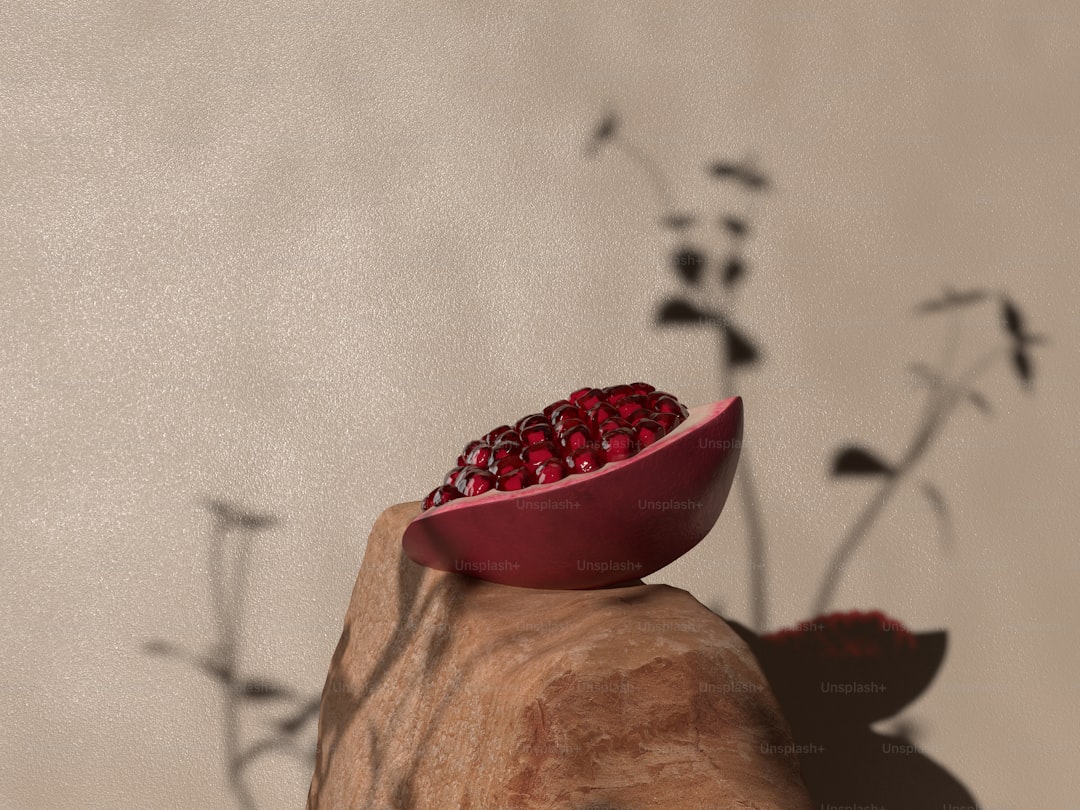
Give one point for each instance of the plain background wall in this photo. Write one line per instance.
(293, 254)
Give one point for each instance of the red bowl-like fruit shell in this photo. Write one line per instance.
(624, 521)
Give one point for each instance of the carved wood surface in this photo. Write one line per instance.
(448, 691)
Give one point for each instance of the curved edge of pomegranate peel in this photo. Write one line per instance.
(430, 537)
(698, 414)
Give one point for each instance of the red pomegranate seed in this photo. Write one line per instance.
(666, 403)
(474, 481)
(492, 436)
(503, 435)
(463, 459)
(554, 406)
(501, 466)
(668, 421)
(463, 476)
(441, 495)
(550, 471)
(642, 387)
(585, 460)
(576, 437)
(616, 393)
(504, 449)
(531, 419)
(602, 412)
(567, 411)
(538, 453)
(514, 480)
(451, 476)
(630, 404)
(649, 431)
(670, 405)
(479, 456)
(568, 423)
(591, 398)
(534, 434)
(577, 395)
(620, 444)
(614, 423)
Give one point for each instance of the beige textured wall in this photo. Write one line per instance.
(291, 254)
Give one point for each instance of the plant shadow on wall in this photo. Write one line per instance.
(286, 715)
(836, 674)
(283, 711)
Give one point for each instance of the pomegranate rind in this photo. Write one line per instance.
(622, 522)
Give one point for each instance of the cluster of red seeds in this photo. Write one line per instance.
(843, 635)
(580, 434)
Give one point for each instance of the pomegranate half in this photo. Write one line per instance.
(622, 522)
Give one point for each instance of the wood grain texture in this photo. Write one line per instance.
(447, 691)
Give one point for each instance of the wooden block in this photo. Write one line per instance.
(450, 692)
